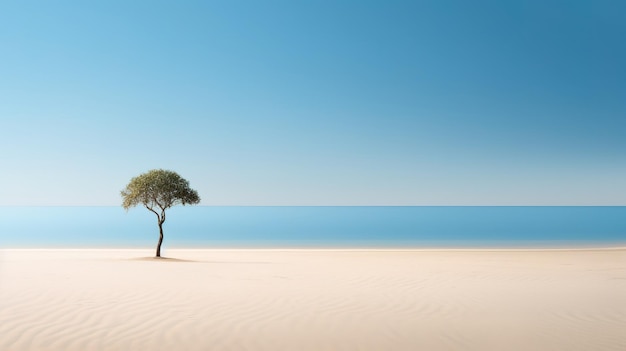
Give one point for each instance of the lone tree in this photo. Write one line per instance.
(158, 190)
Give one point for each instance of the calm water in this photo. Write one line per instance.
(40, 227)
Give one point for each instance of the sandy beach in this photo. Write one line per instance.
(313, 300)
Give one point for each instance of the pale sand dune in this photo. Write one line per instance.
(302, 300)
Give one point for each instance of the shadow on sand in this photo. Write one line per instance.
(162, 259)
(169, 259)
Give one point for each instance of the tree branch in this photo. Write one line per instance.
(158, 203)
(153, 211)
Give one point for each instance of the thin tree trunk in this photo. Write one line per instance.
(158, 250)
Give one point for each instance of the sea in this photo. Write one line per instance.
(315, 227)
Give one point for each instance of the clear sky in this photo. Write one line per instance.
(315, 102)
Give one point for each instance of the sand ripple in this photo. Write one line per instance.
(313, 300)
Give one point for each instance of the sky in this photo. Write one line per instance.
(342, 102)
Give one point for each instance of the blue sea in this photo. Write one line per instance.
(335, 227)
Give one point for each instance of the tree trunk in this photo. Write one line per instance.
(158, 250)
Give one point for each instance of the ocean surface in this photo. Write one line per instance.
(340, 227)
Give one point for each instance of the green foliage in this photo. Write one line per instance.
(160, 189)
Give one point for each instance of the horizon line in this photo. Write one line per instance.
(374, 205)
(508, 205)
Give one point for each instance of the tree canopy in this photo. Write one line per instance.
(160, 189)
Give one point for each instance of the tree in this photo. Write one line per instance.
(157, 190)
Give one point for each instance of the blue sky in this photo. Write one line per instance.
(315, 102)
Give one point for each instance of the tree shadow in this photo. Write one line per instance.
(170, 259)
(161, 259)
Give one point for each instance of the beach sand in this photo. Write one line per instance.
(302, 300)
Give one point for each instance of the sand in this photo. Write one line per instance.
(302, 300)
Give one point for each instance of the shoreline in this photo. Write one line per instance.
(336, 249)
